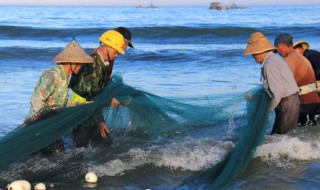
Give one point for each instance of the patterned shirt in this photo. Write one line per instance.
(51, 90)
(92, 78)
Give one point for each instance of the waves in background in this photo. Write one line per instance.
(181, 53)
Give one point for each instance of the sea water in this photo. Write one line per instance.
(180, 53)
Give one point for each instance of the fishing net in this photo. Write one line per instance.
(152, 117)
(251, 137)
(235, 162)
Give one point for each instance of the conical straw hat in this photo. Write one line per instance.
(304, 44)
(258, 43)
(73, 53)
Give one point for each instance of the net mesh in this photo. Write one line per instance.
(148, 115)
(235, 162)
(251, 137)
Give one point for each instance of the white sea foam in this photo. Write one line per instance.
(191, 154)
(282, 150)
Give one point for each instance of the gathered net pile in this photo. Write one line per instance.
(251, 137)
(147, 114)
(234, 164)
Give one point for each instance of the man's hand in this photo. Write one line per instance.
(103, 129)
(248, 96)
(114, 103)
(88, 102)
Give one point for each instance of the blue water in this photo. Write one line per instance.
(180, 52)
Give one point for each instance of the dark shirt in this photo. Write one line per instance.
(92, 78)
(314, 57)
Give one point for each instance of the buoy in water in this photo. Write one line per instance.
(40, 186)
(19, 185)
(91, 177)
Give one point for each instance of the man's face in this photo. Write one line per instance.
(282, 49)
(113, 54)
(258, 58)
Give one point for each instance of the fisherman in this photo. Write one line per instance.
(51, 91)
(304, 76)
(313, 56)
(278, 82)
(92, 79)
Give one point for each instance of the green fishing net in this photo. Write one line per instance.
(252, 135)
(152, 117)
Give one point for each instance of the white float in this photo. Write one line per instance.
(19, 185)
(40, 186)
(91, 177)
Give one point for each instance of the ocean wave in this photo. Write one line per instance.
(167, 34)
(176, 53)
(19, 32)
(191, 154)
(283, 150)
(25, 54)
(190, 34)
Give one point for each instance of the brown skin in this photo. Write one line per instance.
(299, 50)
(284, 50)
(104, 50)
(71, 68)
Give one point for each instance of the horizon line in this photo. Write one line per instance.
(82, 5)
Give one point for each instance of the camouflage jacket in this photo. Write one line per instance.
(92, 78)
(51, 90)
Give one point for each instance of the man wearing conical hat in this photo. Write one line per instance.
(51, 91)
(304, 77)
(303, 48)
(278, 82)
(93, 78)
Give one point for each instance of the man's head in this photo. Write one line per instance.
(112, 43)
(125, 32)
(74, 56)
(301, 46)
(258, 46)
(284, 44)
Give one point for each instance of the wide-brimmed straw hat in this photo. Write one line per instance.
(258, 43)
(304, 44)
(73, 53)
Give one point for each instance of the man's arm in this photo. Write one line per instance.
(42, 91)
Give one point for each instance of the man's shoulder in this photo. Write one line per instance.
(52, 72)
(275, 64)
(293, 57)
(274, 58)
